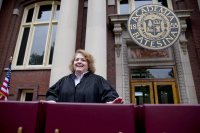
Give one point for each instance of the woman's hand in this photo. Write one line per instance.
(118, 100)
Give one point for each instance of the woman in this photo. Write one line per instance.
(83, 85)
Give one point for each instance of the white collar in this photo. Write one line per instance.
(80, 76)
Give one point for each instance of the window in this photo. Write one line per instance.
(127, 6)
(26, 95)
(36, 39)
(154, 73)
(124, 7)
(139, 3)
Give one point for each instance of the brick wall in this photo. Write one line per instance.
(111, 70)
(9, 29)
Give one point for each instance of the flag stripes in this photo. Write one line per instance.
(4, 91)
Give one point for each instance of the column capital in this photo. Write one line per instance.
(119, 23)
(183, 15)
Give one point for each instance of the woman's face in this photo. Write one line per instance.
(80, 64)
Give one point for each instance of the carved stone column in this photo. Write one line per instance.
(187, 90)
(118, 38)
(122, 74)
(118, 21)
(183, 15)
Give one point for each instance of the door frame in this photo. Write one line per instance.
(174, 91)
(141, 83)
(153, 90)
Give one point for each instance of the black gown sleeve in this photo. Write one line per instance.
(108, 93)
(53, 91)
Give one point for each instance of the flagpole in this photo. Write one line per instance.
(11, 59)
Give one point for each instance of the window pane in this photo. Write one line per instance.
(23, 45)
(30, 15)
(163, 2)
(56, 16)
(44, 13)
(139, 3)
(165, 94)
(38, 47)
(29, 97)
(124, 7)
(152, 73)
(53, 38)
(142, 94)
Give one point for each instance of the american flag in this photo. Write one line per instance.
(4, 91)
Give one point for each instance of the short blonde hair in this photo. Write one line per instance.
(88, 57)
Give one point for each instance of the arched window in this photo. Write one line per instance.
(36, 39)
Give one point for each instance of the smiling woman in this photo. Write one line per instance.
(83, 85)
(82, 62)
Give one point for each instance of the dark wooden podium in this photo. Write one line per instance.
(19, 116)
(171, 118)
(37, 117)
(42, 117)
(90, 118)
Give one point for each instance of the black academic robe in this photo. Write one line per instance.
(91, 89)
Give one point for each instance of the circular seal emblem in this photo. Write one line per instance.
(154, 27)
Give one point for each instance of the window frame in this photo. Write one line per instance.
(131, 4)
(32, 25)
(23, 94)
